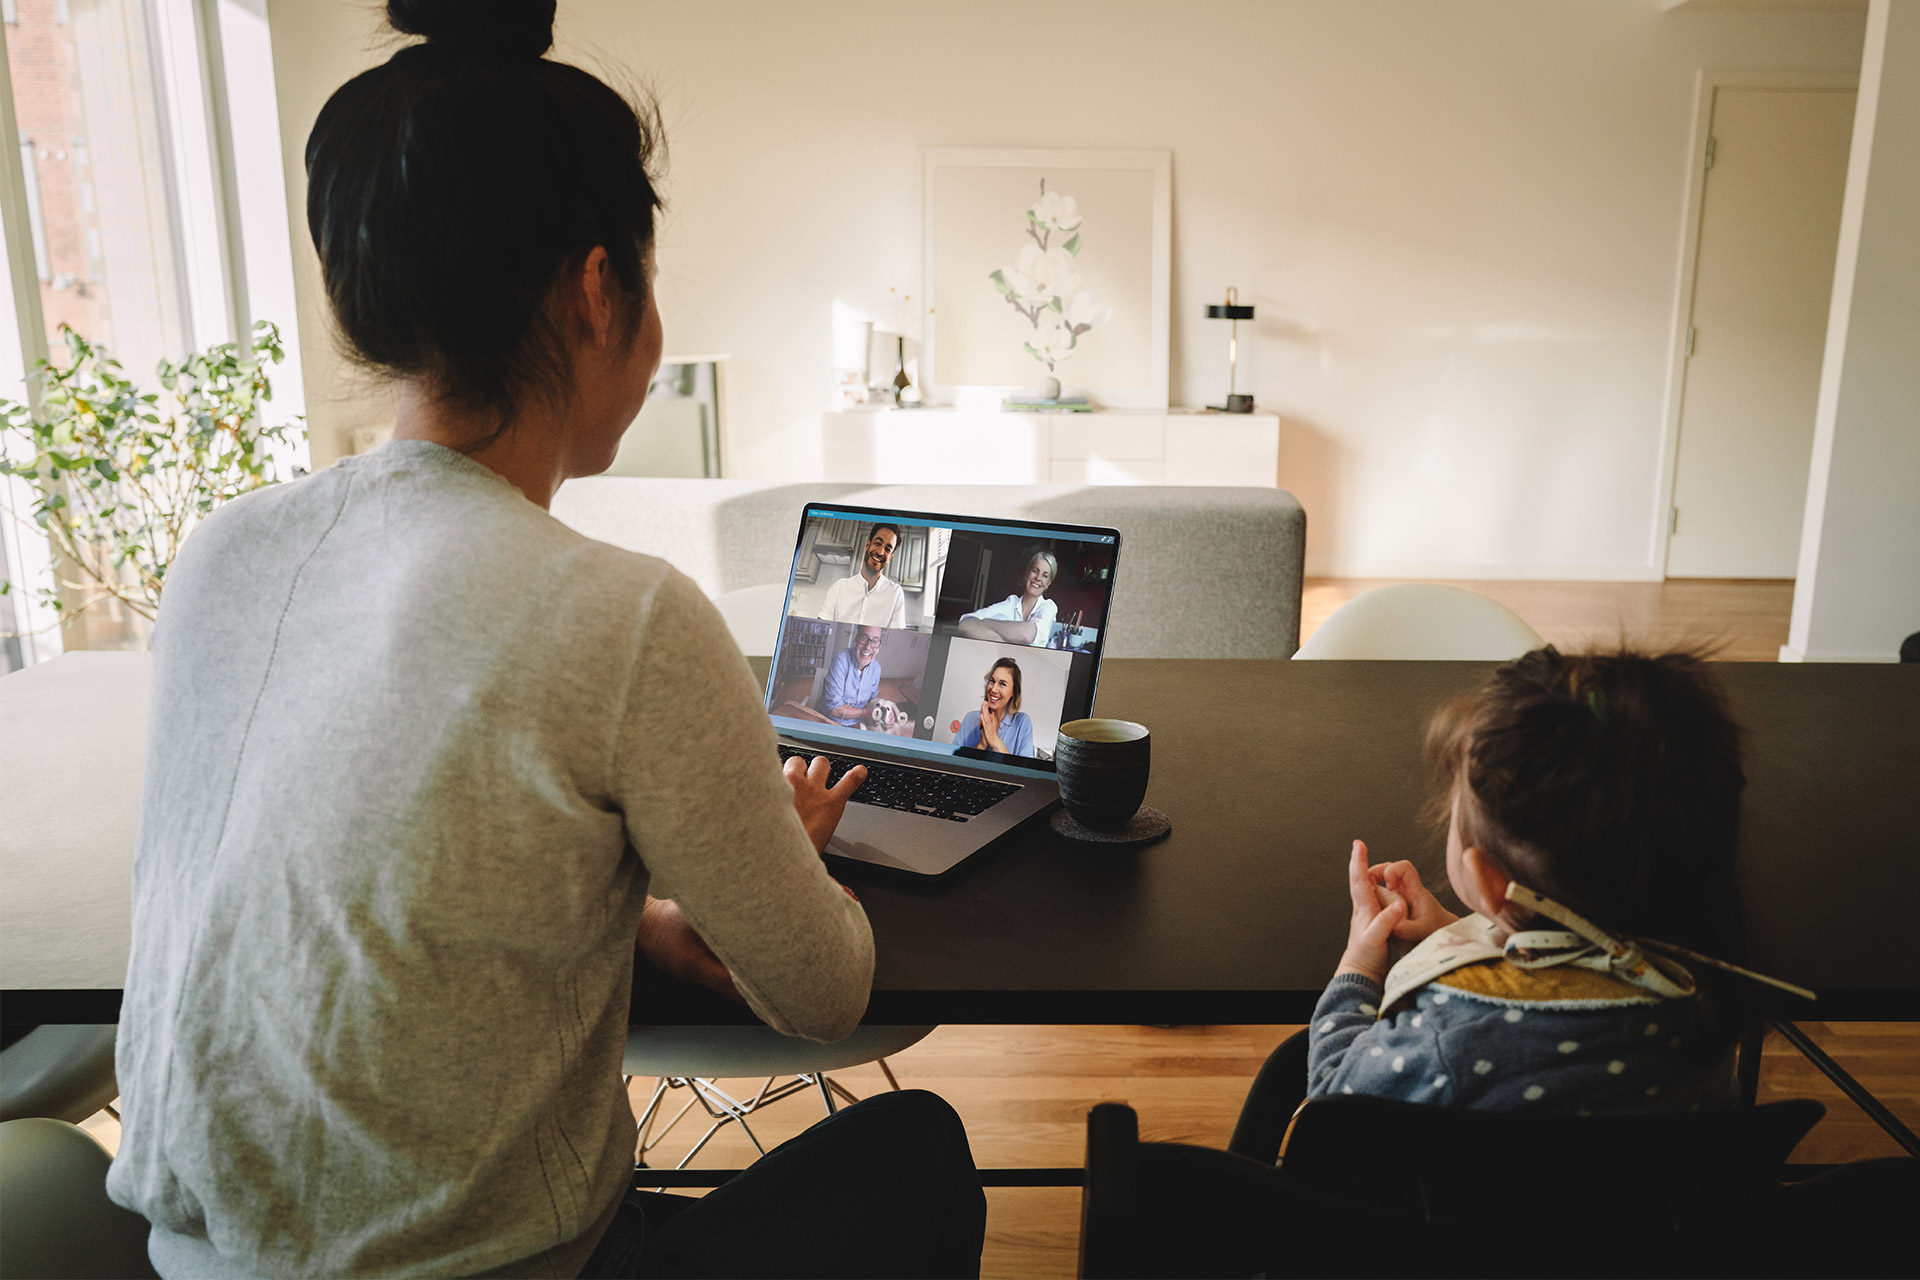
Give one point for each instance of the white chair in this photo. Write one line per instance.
(53, 1202)
(63, 1072)
(753, 615)
(692, 1058)
(1422, 620)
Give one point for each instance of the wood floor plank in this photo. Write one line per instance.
(1742, 620)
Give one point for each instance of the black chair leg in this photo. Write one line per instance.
(1277, 1093)
(1109, 1210)
(1747, 1070)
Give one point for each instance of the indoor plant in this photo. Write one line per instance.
(120, 476)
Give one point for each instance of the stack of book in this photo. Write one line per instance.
(1046, 404)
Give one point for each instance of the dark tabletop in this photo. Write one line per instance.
(1270, 769)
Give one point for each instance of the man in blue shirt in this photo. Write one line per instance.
(853, 681)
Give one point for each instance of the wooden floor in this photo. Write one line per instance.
(1738, 620)
(1024, 1091)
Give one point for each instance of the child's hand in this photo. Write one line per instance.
(1424, 913)
(1372, 923)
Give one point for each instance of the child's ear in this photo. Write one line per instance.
(1489, 880)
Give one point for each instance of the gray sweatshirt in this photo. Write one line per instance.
(418, 752)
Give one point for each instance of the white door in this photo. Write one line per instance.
(1769, 230)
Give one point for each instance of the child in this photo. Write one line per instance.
(1604, 791)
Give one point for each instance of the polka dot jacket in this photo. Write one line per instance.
(1500, 1037)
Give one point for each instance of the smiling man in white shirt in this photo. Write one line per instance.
(869, 597)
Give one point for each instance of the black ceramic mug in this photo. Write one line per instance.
(1103, 767)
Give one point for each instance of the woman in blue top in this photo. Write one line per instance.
(999, 724)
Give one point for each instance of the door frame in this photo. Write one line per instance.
(1705, 82)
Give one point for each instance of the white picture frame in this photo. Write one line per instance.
(977, 337)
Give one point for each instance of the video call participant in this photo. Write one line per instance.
(999, 725)
(1026, 618)
(870, 596)
(853, 681)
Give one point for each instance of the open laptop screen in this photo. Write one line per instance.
(917, 635)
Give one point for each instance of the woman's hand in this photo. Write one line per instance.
(671, 944)
(819, 805)
(1371, 924)
(990, 718)
(1424, 913)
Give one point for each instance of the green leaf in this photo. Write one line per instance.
(106, 468)
(1000, 282)
(1056, 305)
(1073, 246)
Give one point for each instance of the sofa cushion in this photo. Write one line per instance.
(1203, 572)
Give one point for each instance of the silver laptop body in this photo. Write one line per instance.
(903, 636)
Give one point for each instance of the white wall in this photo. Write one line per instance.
(1460, 220)
(1858, 589)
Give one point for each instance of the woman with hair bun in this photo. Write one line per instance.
(420, 753)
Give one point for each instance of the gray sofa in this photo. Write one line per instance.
(1203, 572)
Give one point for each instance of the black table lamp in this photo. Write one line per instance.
(1233, 311)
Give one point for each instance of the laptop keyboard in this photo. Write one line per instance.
(952, 796)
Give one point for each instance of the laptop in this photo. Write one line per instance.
(944, 653)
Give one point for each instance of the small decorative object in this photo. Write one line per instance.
(1103, 766)
(1080, 297)
(904, 392)
(121, 477)
(1232, 311)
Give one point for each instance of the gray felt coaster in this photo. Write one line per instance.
(1144, 827)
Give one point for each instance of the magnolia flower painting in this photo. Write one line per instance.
(1044, 266)
(1044, 286)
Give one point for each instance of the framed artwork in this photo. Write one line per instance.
(1048, 264)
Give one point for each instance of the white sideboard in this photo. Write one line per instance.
(1108, 446)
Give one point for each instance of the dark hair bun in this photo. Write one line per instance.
(449, 187)
(513, 28)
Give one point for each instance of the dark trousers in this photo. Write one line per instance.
(1277, 1093)
(885, 1187)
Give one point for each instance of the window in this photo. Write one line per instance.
(147, 202)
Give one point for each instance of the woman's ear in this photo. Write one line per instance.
(594, 293)
(1488, 880)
